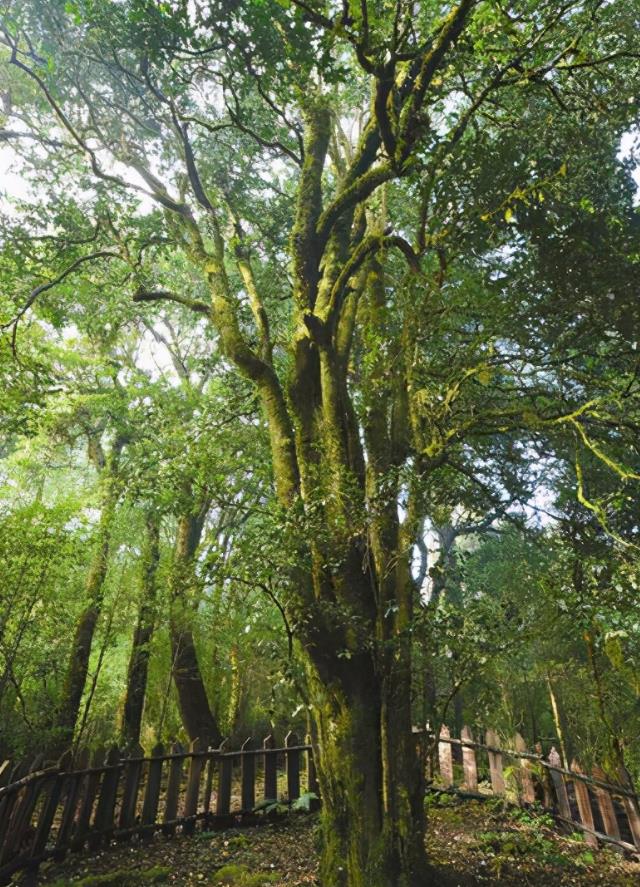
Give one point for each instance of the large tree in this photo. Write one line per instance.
(349, 186)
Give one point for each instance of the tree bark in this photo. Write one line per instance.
(197, 716)
(143, 633)
(371, 778)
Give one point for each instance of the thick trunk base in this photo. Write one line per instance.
(371, 780)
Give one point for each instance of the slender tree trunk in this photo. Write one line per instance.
(78, 664)
(139, 659)
(236, 696)
(197, 716)
(557, 720)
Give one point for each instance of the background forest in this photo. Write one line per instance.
(320, 383)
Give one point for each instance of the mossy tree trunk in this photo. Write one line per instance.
(197, 716)
(139, 659)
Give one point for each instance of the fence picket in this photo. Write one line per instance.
(70, 810)
(223, 801)
(293, 766)
(89, 794)
(193, 784)
(270, 770)
(208, 788)
(605, 804)
(132, 775)
(544, 781)
(173, 786)
(495, 763)
(445, 758)
(103, 824)
(525, 779)
(469, 764)
(248, 778)
(48, 812)
(584, 805)
(559, 785)
(154, 779)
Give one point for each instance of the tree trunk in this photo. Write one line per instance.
(557, 720)
(78, 664)
(76, 675)
(371, 781)
(139, 659)
(198, 718)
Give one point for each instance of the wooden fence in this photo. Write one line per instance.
(45, 812)
(605, 811)
(88, 802)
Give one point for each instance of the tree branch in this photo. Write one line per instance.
(165, 295)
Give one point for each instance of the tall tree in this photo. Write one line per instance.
(234, 120)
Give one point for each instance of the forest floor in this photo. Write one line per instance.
(469, 843)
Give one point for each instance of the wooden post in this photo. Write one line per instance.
(584, 805)
(173, 787)
(70, 810)
(89, 794)
(248, 778)
(293, 766)
(631, 807)
(152, 793)
(103, 824)
(495, 763)
(223, 801)
(270, 770)
(445, 757)
(607, 811)
(193, 786)
(132, 774)
(312, 774)
(559, 785)
(525, 780)
(469, 764)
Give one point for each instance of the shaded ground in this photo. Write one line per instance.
(471, 843)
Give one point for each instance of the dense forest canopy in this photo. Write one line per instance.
(321, 384)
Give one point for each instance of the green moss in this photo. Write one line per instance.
(234, 875)
(120, 878)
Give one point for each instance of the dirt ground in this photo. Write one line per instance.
(469, 843)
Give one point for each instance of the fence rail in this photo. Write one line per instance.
(604, 810)
(91, 800)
